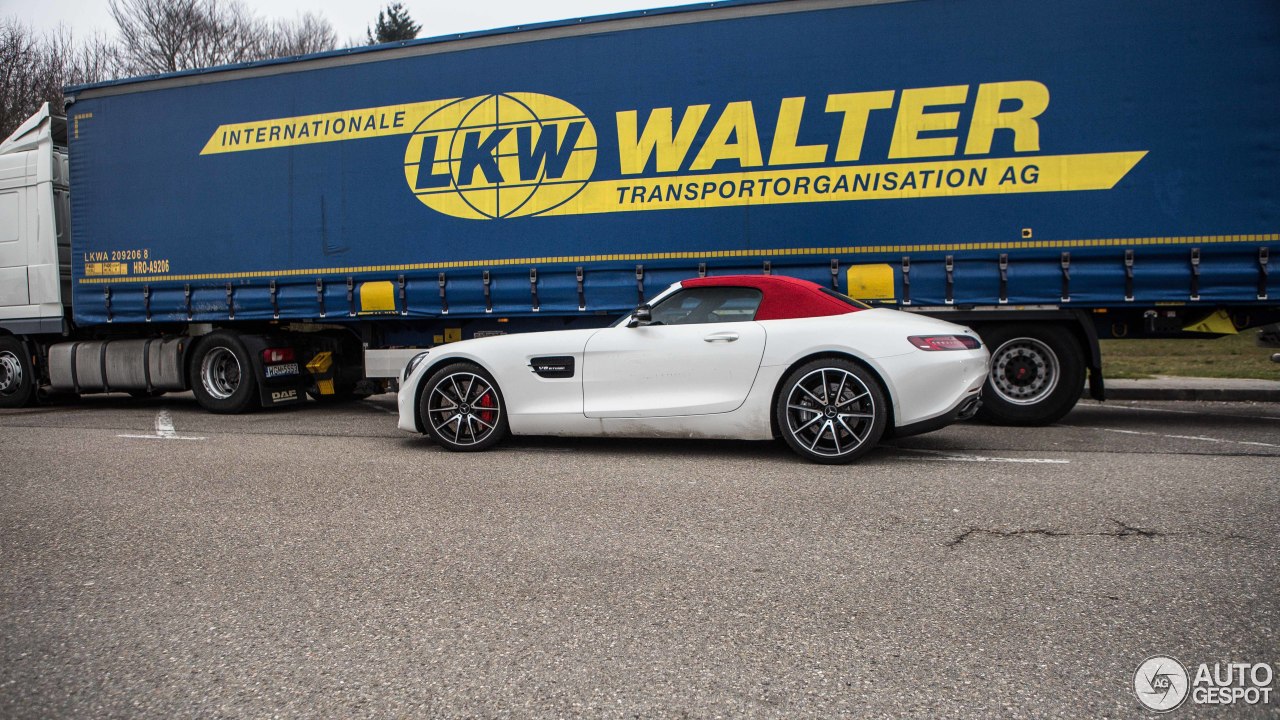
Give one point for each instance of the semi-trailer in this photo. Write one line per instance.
(1047, 173)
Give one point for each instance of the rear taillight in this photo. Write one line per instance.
(271, 356)
(945, 342)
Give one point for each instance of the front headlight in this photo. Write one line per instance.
(414, 362)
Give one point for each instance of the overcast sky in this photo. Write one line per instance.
(349, 17)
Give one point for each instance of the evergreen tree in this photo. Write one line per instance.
(394, 25)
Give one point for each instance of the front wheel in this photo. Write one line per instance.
(1037, 374)
(462, 409)
(831, 411)
(222, 375)
(18, 382)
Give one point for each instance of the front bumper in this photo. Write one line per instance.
(406, 402)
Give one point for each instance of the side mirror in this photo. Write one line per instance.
(643, 315)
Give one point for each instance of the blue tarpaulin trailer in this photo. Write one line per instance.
(1045, 172)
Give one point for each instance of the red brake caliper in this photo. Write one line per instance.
(486, 401)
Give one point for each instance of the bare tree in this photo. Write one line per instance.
(156, 36)
(97, 59)
(159, 36)
(304, 35)
(35, 69)
(70, 62)
(19, 70)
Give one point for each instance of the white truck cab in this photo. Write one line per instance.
(35, 227)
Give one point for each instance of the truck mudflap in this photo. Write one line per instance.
(281, 379)
(273, 396)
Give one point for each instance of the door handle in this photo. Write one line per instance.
(721, 337)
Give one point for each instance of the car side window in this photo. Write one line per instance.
(708, 305)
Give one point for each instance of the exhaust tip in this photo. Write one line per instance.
(969, 408)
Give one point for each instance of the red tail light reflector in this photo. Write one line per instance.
(271, 356)
(945, 342)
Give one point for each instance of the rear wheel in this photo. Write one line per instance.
(462, 408)
(222, 375)
(1037, 374)
(831, 411)
(17, 374)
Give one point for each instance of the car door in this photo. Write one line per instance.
(699, 355)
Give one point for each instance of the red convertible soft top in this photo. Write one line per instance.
(785, 297)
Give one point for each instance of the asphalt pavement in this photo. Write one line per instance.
(160, 562)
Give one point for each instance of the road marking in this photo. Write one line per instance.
(1143, 408)
(1201, 438)
(164, 430)
(954, 457)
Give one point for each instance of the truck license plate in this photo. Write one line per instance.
(281, 370)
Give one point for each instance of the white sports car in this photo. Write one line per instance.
(741, 357)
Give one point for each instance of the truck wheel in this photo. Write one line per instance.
(831, 411)
(17, 374)
(1037, 374)
(462, 408)
(222, 375)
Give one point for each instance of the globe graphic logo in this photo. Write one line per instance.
(505, 155)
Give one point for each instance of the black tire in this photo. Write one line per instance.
(831, 411)
(18, 383)
(222, 376)
(462, 408)
(1037, 374)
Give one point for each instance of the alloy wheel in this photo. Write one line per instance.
(463, 408)
(830, 412)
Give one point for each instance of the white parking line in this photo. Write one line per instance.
(164, 430)
(1143, 408)
(1200, 438)
(953, 457)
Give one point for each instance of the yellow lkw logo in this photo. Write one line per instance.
(500, 156)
